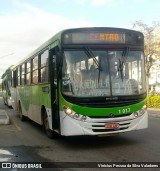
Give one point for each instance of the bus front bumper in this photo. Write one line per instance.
(97, 126)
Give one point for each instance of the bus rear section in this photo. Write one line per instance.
(6, 90)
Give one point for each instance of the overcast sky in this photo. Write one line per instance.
(26, 24)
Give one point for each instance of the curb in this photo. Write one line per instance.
(156, 113)
(4, 118)
(153, 109)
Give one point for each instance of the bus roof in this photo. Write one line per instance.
(53, 40)
(57, 38)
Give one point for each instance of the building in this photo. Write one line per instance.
(154, 80)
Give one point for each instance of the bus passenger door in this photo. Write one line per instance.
(54, 89)
(14, 90)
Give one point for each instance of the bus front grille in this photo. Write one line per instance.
(100, 125)
(108, 130)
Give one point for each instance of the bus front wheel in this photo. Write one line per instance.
(47, 130)
(22, 117)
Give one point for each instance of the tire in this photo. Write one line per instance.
(46, 128)
(4, 101)
(21, 116)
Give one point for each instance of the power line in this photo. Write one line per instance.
(6, 55)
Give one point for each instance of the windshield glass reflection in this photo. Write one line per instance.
(104, 73)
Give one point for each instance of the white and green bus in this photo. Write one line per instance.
(6, 90)
(84, 81)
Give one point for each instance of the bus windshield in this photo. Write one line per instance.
(103, 73)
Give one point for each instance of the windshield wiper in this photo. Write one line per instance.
(90, 54)
(122, 60)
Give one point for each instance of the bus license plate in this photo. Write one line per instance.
(112, 125)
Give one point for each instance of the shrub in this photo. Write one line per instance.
(153, 101)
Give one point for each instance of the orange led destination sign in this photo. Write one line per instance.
(94, 37)
(105, 36)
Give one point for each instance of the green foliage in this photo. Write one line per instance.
(153, 101)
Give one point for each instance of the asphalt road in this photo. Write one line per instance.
(26, 142)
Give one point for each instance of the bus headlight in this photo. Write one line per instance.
(73, 114)
(76, 116)
(67, 110)
(83, 118)
(143, 110)
(135, 114)
(140, 112)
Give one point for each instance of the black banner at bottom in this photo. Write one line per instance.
(39, 165)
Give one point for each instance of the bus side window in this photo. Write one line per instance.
(4, 85)
(14, 79)
(19, 75)
(28, 73)
(35, 70)
(44, 67)
(23, 74)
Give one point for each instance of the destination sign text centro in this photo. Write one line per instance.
(98, 37)
(105, 36)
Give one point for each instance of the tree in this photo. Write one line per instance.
(151, 44)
